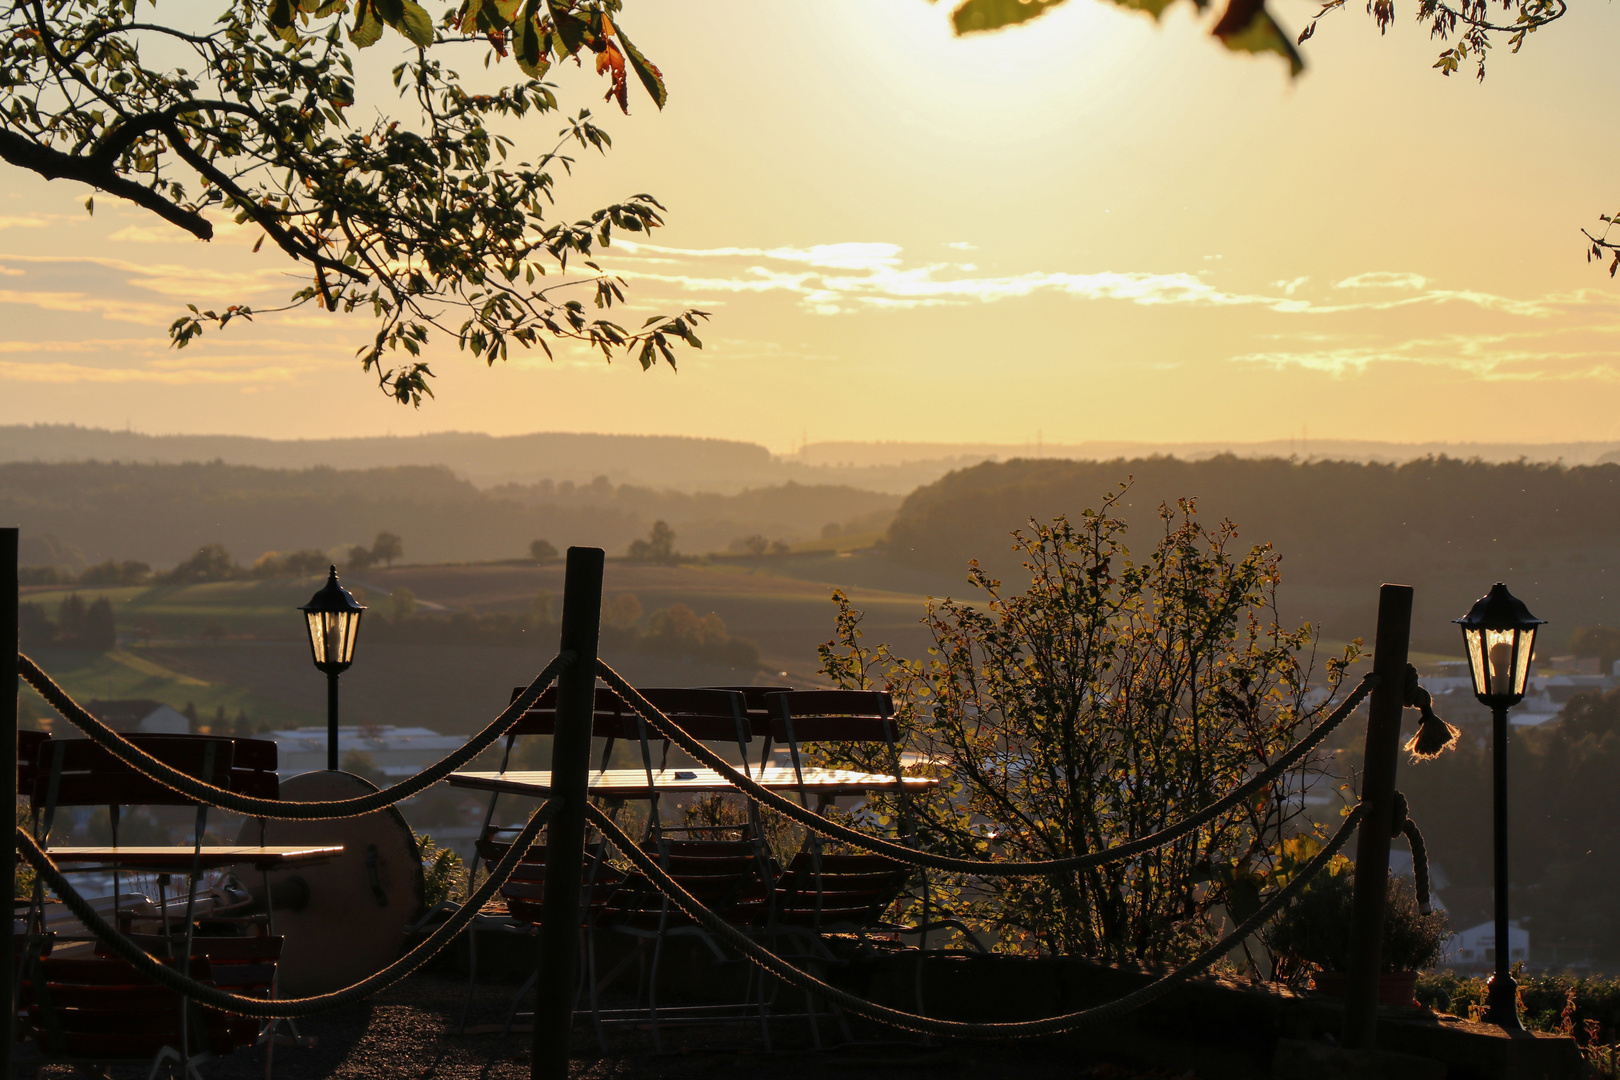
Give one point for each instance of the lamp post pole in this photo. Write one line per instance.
(1502, 1001)
(8, 770)
(331, 721)
(1500, 635)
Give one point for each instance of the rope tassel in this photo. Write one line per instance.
(1434, 736)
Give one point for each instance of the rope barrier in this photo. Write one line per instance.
(283, 1008)
(254, 806)
(1420, 865)
(882, 1014)
(668, 729)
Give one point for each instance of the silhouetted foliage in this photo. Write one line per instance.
(1104, 702)
(77, 625)
(211, 562)
(659, 547)
(1445, 526)
(293, 563)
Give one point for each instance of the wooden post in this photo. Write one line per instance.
(8, 772)
(1382, 753)
(558, 957)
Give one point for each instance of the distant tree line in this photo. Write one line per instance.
(675, 631)
(158, 513)
(77, 625)
(1448, 527)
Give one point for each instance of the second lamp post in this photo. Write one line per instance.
(1500, 634)
(334, 624)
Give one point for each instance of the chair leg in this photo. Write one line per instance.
(472, 973)
(590, 975)
(652, 983)
(517, 999)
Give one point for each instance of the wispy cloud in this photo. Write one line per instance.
(1383, 279)
(1509, 357)
(835, 279)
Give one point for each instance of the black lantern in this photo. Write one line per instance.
(1500, 634)
(333, 615)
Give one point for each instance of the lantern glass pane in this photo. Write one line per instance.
(1521, 671)
(1499, 660)
(1476, 659)
(317, 636)
(349, 622)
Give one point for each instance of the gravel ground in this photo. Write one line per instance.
(407, 1033)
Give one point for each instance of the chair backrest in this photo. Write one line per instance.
(801, 716)
(77, 772)
(759, 709)
(253, 768)
(100, 1008)
(612, 718)
(239, 963)
(707, 714)
(827, 889)
(28, 759)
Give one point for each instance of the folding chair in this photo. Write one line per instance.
(76, 772)
(608, 724)
(821, 893)
(100, 1011)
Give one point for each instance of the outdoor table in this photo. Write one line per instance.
(632, 783)
(181, 858)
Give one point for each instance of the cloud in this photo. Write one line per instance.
(1508, 357)
(836, 279)
(24, 221)
(1383, 279)
(63, 372)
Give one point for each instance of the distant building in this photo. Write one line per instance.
(394, 752)
(140, 715)
(1476, 946)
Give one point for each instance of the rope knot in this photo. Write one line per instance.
(1434, 736)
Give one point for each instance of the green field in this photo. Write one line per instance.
(135, 673)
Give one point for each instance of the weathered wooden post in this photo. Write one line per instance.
(565, 835)
(8, 771)
(1382, 754)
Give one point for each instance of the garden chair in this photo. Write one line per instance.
(821, 893)
(88, 1000)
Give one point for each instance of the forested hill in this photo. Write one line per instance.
(78, 513)
(1446, 526)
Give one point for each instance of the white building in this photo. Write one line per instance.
(394, 752)
(1476, 946)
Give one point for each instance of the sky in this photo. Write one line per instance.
(1093, 226)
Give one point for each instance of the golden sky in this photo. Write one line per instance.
(1091, 227)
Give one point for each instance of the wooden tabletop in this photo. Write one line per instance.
(632, 783)
(181, 858)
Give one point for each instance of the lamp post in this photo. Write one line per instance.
(333, 615)
(1500, 634)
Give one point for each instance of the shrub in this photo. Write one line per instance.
(1107, 701)
(1313, 932)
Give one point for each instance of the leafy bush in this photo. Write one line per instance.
(1314, 930)
(1107, 701)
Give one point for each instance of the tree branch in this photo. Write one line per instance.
(55, 165)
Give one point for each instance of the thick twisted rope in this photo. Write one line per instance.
(1420, 865)
(882, 1014)
(254, 806)
(668, 729)
(284, 1008)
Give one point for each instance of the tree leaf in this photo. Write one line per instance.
(368, 28)
(1246, 26)
(570, 28)
(416, 24)
(977, 16)
(651, 78)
